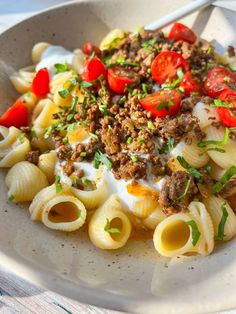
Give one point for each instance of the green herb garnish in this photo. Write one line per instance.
(85, 181)
(94, 136)
(63, 93)
(165, 104)
(150, 125)
(129, 140)
(180, 75)
(21, 138)
(222, 103)
(110, 229)
(60, 68)
(195, 231)
(217, 143)
(218, 187)
(193, 171)
(121, 61)
(99, 157)
(166, 149)
(134, 158)
(33, 133)
(58, 184)
(175, 201)
(221, 227)
(71, 127)
(83, 154)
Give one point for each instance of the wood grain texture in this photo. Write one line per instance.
(18, 296)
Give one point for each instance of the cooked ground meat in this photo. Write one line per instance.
(173, 188)
(121, 128)
(68, 168)
(33, 156)
(176, 128)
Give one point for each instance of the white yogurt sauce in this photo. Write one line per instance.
(118, 187)
(53, 55)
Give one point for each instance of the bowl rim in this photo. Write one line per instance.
(43, 278)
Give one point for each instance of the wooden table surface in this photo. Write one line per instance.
(17, 295)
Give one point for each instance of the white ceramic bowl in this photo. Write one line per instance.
(133, 279)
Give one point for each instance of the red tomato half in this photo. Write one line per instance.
(181, 32)
(190, 85)
(228, 116)
(218, 80)
(93, 69)
(162, 103)
(40, 84)
(119, 78)
(166, 64)
(16, 115)
(89, 48)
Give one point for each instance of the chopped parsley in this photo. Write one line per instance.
(121, 61)
(129, 140)
(221, 227)
(218, 187)
(58, 184)
(85, 181)
(166, 149)
(74, 103)
(110, 229)
(208, 168)
(195, 231)
(33, 133)
(21, 138)
(217, 143)
(150, 125)
(141, 140)
(175, 201)
(70, 117)
(99, 157)
(65, 140)
(191, 170)
(103, 107)
(71, 127)
(60, 68)
(94, 136)
(165, 104)
(83, 154)
(71, 85)
(85, 84)
(180, 75)
(222, 103)
(134, 158)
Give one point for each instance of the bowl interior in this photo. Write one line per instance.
(135, 278)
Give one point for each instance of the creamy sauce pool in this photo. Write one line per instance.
(118, 187)
(53, 55)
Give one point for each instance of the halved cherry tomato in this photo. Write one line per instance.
(89, 48)
(93, 69)
(119, 78)
(218, 80)
(166, 64)
(182, 32)
(190, 85)
(40, 84)
(162, 103)
(17, 115)
(228, 116)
